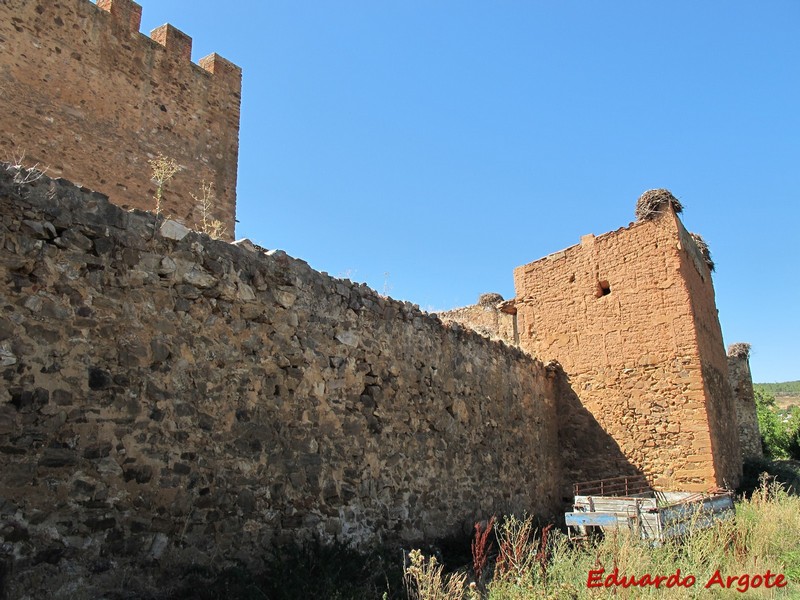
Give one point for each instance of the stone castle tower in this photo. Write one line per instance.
(93, 100)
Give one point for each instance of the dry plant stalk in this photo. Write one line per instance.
(424, 579)
(163, 169)
(23, 174)
(516, 553)
(543, 556)
(207, 201)
(481, 545)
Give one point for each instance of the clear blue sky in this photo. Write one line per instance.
(445, 143)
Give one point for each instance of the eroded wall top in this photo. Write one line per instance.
(490, 316)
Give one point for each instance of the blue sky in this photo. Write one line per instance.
(428, 148)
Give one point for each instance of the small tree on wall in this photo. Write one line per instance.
(207, 202)
(163, 169)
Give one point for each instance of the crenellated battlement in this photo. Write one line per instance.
(127, 16)
(94, 99)
(222, 68)
(175, 42)
(125, 13)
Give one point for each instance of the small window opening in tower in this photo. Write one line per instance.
(603, 289)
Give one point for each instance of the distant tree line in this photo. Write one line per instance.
(785, 388)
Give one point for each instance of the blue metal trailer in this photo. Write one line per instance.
(630, 503)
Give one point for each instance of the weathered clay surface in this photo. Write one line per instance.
(88, 96)
(166, 402)
(631, 317)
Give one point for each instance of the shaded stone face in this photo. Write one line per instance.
(741, 382)
(194, 401)
(90, 98)
(631, 317)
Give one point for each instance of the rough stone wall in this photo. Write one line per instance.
(165, 402)
(487, 318)
(587, 450)
(89, 97)
(741, 381)
(617, 312)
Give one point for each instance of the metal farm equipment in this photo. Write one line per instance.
(630, 503)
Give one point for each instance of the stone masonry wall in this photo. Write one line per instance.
(616, 312)
(169, 401)
(741, 381)
(587, 450)
(89, 97)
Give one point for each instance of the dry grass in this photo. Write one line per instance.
(786, 402)
(23, 175)
(764, 535)
(425, 580)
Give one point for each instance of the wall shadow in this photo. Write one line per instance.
(588, 452)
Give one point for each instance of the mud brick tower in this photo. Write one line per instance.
(631, 317)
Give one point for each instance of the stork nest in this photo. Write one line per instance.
(652, 203)
(490, 299)
(739, 350)
(703, 247)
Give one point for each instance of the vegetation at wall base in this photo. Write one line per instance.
(784, 472)
(763, 537)
(780, 428)
(524, 564)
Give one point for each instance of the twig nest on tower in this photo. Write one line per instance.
(652, 203)
(490, 299)
(703, 247)
(739, 350)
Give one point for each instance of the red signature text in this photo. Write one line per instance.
(599, 579)
(614, 579)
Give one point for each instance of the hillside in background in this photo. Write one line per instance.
(786, 388)
(786, 393)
